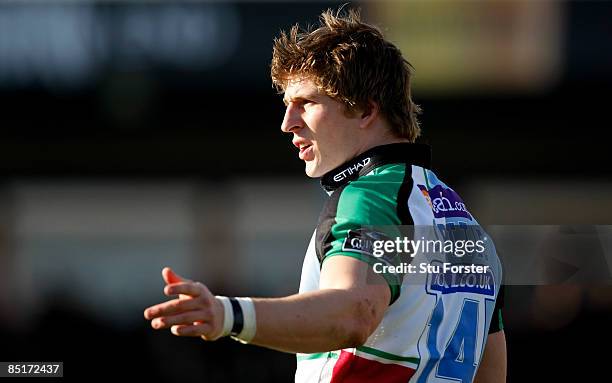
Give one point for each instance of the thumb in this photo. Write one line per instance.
(170, 276)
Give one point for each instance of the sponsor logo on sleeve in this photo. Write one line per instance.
(363, 241)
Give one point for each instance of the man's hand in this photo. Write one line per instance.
(196, 312)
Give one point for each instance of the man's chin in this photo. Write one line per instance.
(312, 170)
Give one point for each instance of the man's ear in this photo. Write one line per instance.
(369, 114)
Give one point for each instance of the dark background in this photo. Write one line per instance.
(143, 102)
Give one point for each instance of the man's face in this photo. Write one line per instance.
(324, 134)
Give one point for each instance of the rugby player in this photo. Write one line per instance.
(351, 117)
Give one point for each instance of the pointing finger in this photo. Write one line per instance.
(171, 277)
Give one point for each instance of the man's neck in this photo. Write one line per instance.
(379, 140)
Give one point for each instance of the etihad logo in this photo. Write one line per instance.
(351, 169)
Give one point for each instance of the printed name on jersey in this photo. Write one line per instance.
(351, 169)
(444, 202)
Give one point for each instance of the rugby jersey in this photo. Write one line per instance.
(436, 325)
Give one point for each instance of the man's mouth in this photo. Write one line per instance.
(306, 152)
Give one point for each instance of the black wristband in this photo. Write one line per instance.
(238, 317)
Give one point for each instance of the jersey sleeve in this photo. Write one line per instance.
(365, 213)
(496, 320)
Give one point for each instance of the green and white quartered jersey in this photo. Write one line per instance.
(435, 327)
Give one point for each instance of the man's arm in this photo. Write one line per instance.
(343, 313)
(493, 366)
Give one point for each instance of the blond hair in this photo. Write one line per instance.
(351, 62)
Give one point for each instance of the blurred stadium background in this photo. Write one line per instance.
(141, 134)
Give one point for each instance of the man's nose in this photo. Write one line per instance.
(292, 120)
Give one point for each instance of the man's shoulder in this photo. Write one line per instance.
(383, 181)
(372, 196)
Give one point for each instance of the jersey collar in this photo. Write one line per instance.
(399, 153)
